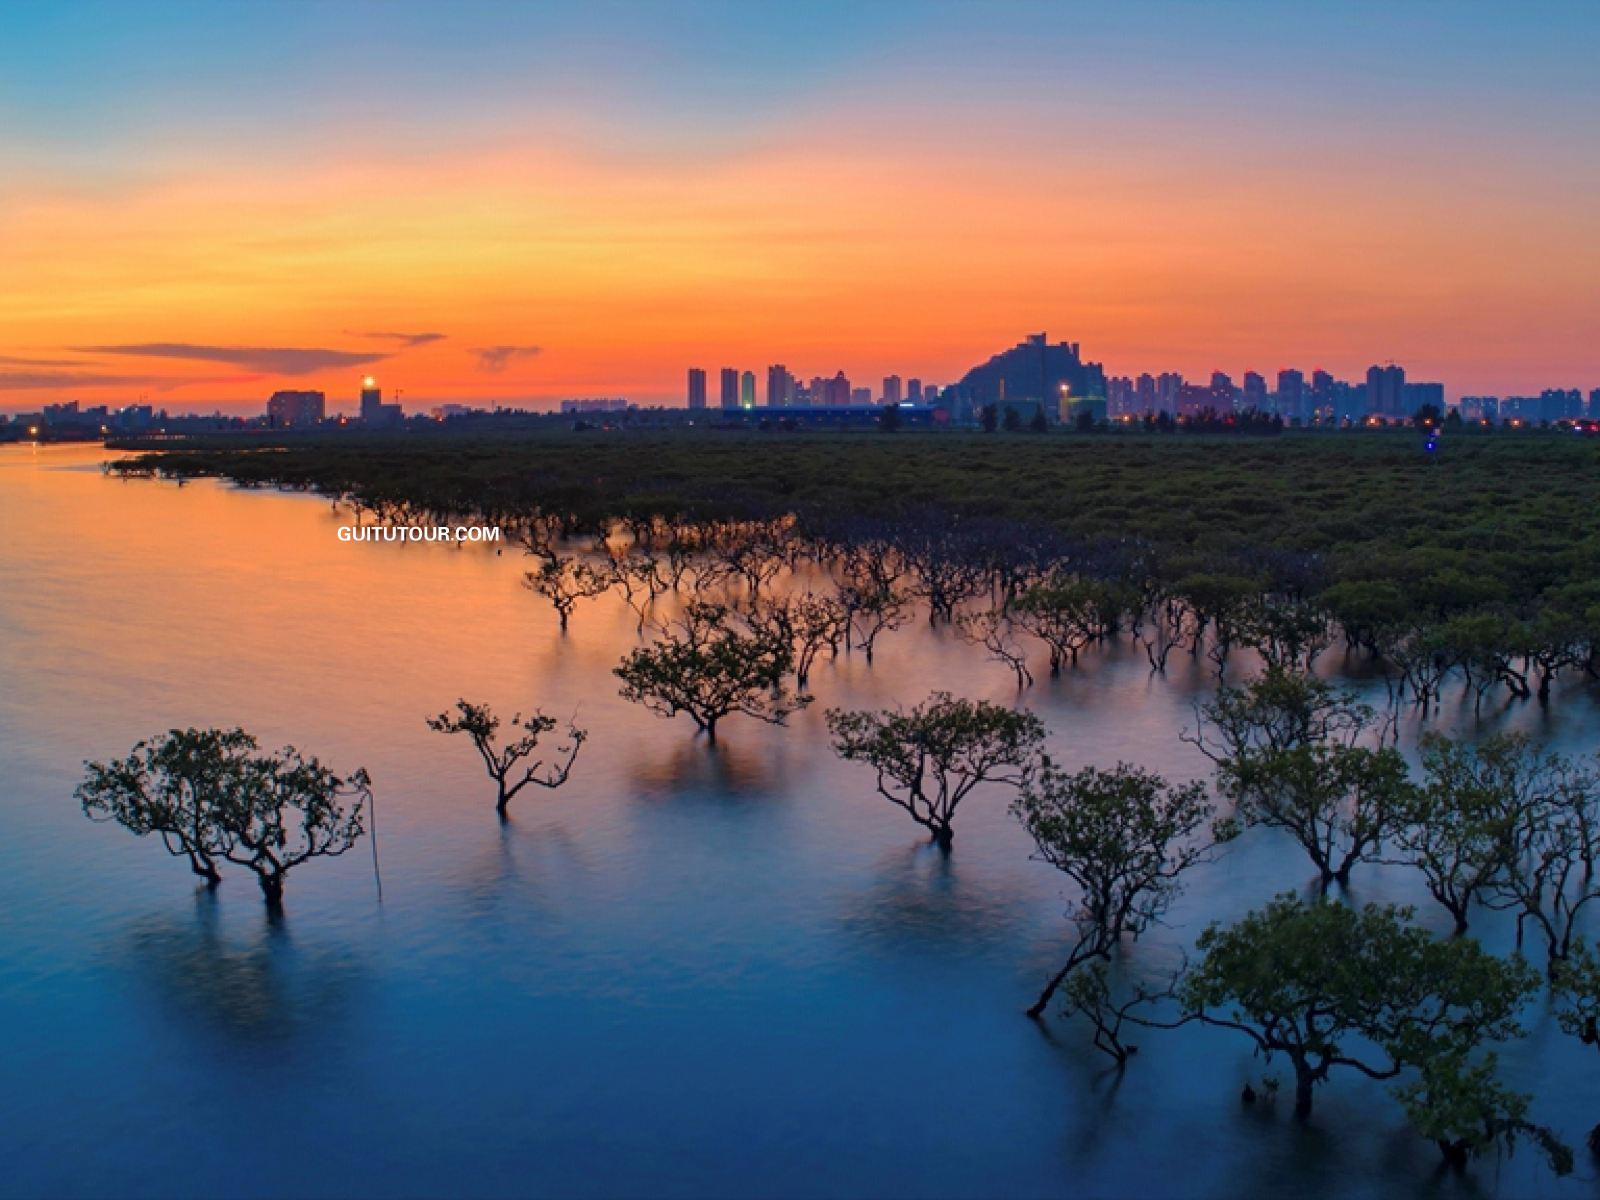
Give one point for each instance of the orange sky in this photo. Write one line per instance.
(864, 228)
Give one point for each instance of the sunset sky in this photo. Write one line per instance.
(200, 203)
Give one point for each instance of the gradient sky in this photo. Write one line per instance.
(200, 203)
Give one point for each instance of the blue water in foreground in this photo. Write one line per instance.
(690, 972)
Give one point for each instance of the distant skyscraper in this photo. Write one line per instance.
(697, 388)
(914, 390)
(1121, 397)
(1222, 394)
(1255, 391)
(747, 390)
(1146, 403)
(838, 392)
(891, 389)
(1291, 394)
(781, 386)
(1594, 405)
(860, 395)
(371, 401)
(730, 387)
(1386, 388)
(1168, 384)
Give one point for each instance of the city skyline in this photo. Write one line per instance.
(518, 205)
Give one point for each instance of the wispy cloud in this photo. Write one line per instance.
(272, 360)
(11, 360)
(408, 340)
(62, 381)
(495, 359)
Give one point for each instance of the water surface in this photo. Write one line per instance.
(690, 972)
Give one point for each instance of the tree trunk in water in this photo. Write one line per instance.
(1056, 980)
(272, 891)
(1304, 1082)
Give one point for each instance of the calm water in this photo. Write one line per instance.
(687, 973)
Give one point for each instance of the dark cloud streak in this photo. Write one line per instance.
(494, 359)
(62, 381)
(407, 340)
(271, 360)
(10, 360)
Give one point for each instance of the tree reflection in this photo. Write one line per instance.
(919, 901)
(258, 987)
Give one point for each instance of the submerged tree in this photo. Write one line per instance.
(1286, 755)
(211, 798)
(1280, 710)
(929, 758)
(992, 629)
(1464, 1109)
(1576, 991)
(710, 665)
(171, 787)
(1459, 827)
(292, 809)
(564, 581)
(503, 763)
(1549, 877)
(1124, 837)
(1330, 986)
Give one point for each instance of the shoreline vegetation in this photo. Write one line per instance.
(1478, 561)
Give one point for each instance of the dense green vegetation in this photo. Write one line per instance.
(1488, 517)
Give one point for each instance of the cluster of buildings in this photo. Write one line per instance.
(784, 389)
(1031, 375)
(68, 422)
(1548, 407)
(1385, 395)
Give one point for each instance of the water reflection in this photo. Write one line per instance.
(689, 767)
(259, 987)
(920, 901)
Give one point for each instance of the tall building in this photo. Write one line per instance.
(836, 391)
(1120, 396)
(730, 387)
(1291, 394)
(371, 401)
(891, 389)
(781, 386)
(914, 390)
(296, 410)
(1223, 392)
(1146, 389)
(697, 388)
(1168, 385)
(1255, 392)
(747, 390)
(1386, 391)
